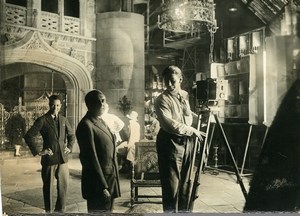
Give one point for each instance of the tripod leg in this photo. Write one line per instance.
(265, 136)
(232, 157)
(246, 149)
(209, 144)
(191, 169)
(196, 183)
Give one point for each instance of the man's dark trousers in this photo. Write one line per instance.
(61, 173)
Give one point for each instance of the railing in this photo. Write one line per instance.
(71, 25)
(49, 21)
(15, 14)
(4, 116)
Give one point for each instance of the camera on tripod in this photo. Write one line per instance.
(210, 91)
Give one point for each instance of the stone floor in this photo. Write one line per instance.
(22, 190)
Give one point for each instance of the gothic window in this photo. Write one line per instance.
(50, 6)
(22, 3)
(71, 8)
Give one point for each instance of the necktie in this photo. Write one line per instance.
(185, 108)
(56, 120)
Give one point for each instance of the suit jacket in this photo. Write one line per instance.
(53, 138)
(98, 158)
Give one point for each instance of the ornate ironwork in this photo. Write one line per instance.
(4, 116)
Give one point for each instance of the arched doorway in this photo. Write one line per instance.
(32, 49)
(33, 52)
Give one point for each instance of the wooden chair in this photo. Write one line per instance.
(144, 172)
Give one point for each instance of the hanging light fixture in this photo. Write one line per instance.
(187, 16)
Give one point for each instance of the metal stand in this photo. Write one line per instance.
(247, 147)
(196, 184)
(246, 150)
(215, 170)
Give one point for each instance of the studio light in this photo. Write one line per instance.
(188, 16)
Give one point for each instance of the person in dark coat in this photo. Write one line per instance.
(275, 185)
(58, 139)
(15, 131)
(100, 177)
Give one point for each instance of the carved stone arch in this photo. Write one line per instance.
(33, 49)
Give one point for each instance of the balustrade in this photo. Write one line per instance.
(15, 14)
(49, 21)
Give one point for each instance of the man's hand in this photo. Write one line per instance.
(199, 134)
(47, 151)
(106, 193)
(67, 150)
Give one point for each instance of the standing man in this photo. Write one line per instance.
(100, 177)
(174, 141)
(58, 138)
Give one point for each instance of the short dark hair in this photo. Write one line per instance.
(171, 69)
(94, 97)
(52, 98)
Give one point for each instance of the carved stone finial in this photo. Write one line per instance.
(90, 66)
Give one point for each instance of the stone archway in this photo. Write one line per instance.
(33, 49)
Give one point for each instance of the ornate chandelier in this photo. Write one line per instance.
(188, 16)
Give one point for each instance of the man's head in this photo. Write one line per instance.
(95, 101)
(54, 104)
(172, 77)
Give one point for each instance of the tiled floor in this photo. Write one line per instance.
(22, 193)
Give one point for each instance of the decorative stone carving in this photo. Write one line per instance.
(90, 66)
(35, 43)
(15, 14)
(49, 21)
(71, 25)
(54, 45)
(76, 55)
(14, 34)
(43, 40)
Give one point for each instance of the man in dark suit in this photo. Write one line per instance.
(58, 138)
(100, 177)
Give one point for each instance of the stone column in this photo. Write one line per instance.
(120, 60)
(61, 13)
(33, 13)
(82, 16)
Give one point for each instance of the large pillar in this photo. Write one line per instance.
(120, 60)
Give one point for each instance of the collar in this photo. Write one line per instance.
(53, 116)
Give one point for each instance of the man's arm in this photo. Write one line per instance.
(85, 138)
(169, 118)
(70, 136)
(31, 134)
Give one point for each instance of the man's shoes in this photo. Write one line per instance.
(17, 155)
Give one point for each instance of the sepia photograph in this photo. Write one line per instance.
(149, 107)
